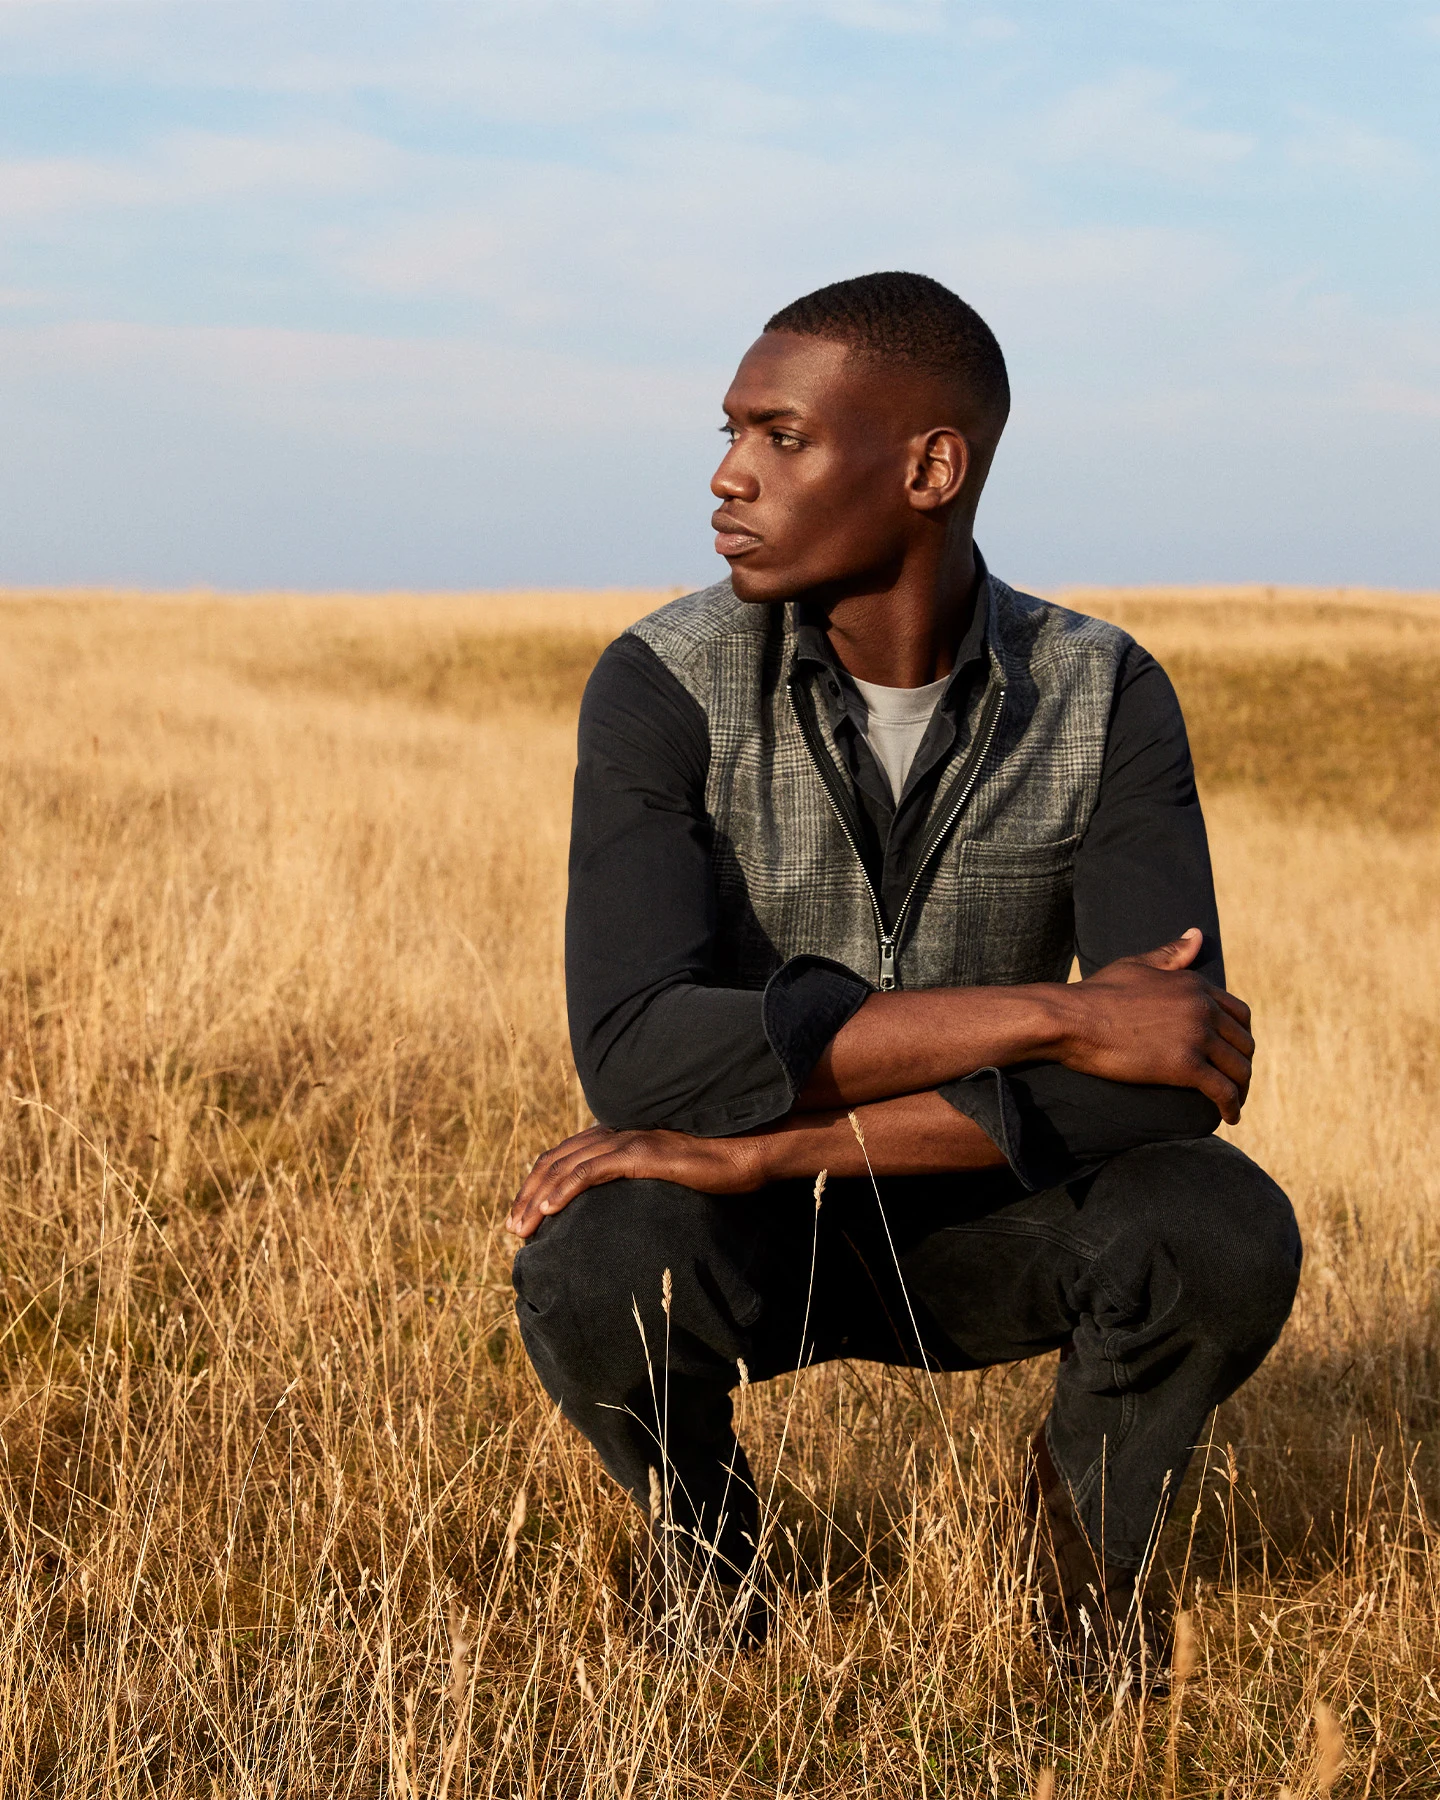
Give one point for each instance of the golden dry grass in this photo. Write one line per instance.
(1330, 705)
(282, 1019)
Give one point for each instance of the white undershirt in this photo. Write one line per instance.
(896, 719)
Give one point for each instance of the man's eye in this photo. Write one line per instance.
(785, 440)
(729, 432)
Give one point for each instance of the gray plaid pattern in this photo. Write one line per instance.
(994, 904)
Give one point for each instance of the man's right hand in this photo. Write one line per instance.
(1150, 1019)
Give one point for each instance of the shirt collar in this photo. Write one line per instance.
(813, 646)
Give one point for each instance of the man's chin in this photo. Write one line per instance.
(762, 587)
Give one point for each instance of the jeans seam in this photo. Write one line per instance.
(1019, 1228)
(1086, 1485)
(1128, 1399)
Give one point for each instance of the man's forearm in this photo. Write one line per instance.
(919, 1134)
(911, 1042)
(1144, 1019)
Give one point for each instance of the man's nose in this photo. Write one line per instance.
(732, 480)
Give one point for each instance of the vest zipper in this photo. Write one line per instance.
(838, 798)
(830, 781)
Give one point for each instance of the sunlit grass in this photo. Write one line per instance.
(282, 1022)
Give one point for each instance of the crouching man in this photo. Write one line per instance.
(841, 822)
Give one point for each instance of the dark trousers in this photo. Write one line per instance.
(1167, 1276)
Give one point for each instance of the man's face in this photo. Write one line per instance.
(815, 484)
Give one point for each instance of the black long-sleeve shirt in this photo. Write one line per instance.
(657, 1041)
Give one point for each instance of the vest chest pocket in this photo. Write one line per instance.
(1014, 917)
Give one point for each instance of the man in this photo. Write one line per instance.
(840, 823)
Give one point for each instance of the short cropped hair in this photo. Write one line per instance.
(898, 317)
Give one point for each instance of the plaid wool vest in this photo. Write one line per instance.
(991, 899)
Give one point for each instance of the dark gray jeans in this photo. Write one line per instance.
(1167, 1276)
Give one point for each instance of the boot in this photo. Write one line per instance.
(687, 1602)
(1095, 1619)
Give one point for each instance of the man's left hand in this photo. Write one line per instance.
(590, 1158)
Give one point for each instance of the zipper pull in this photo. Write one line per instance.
(887, 964)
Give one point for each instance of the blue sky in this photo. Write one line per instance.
(380, 294)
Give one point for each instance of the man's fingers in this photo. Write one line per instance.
(522, 1217)
(521, 1204)
(1230, 1063)
(582, 1167)
(533, 1205)
(1236, 1007)
(583, 1172)
(567, 1146)
(1178, 954)
(526, 1209)
(1222, 1091)
(1233, 1032)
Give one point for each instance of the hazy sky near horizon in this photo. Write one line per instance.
(446, 294)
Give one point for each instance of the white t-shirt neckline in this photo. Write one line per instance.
(896, 720)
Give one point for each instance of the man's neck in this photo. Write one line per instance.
(907, 635)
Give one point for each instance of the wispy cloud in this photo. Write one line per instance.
(1149, 263)
(1338, 144)
(1405, 398)
(186, 168)
(332, 386)
(1137, 119)
(907, 16)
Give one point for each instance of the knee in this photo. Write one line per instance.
(606, 1249)
(1229, 1232)
(626, 1249)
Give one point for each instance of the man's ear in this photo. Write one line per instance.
(940, 461)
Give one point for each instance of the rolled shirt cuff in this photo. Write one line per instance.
(806, 1003)
(1035, 1153)
(1056, 1124)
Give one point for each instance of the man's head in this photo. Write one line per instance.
(862, 425)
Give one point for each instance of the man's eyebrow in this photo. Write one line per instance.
(762, 415)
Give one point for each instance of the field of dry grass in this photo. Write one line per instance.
(285, 1512)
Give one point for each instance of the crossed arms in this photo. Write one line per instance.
(1143, 1020)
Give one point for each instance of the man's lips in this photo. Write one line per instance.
(731, 537)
